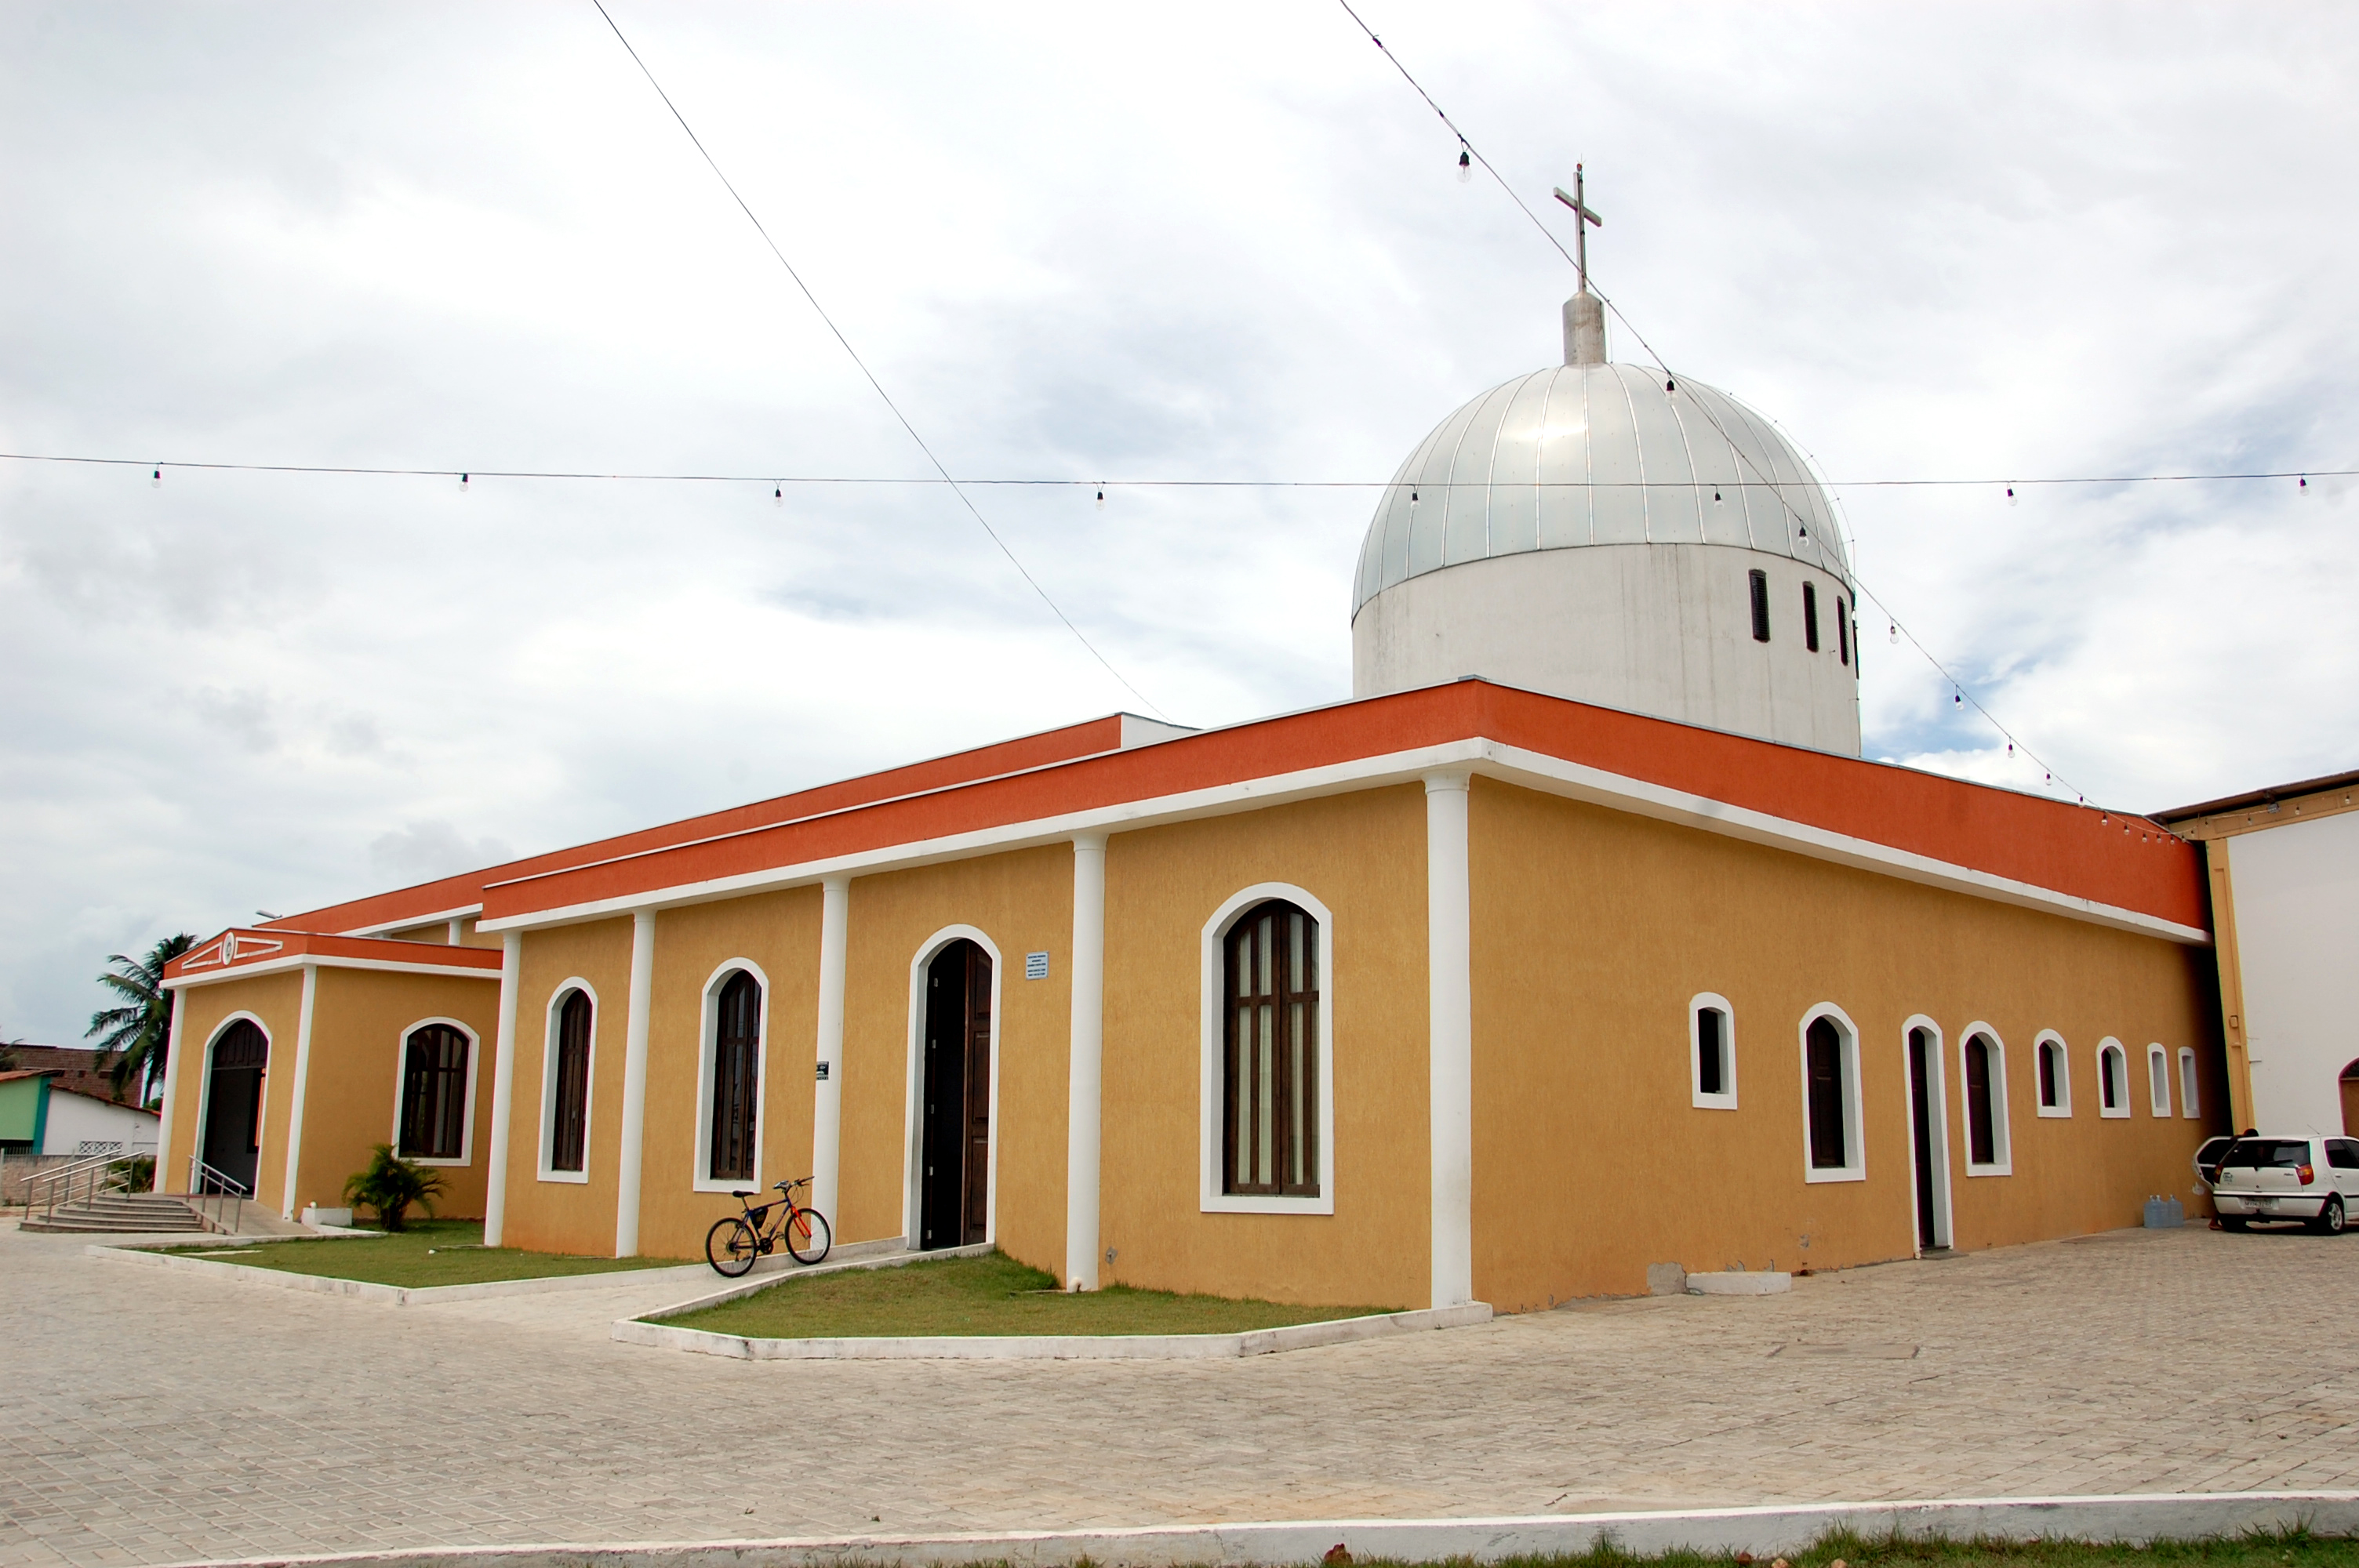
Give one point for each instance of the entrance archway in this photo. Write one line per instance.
(233, 1135)
(954, 1064)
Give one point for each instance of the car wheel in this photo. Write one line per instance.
(2233, 1222)
(2329, 1220)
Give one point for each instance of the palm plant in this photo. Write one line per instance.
(391, 1184)
(138, 1032)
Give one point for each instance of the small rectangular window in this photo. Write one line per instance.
(1842, 631)
(1710, 1078)
(1760, 606)
(1810, 616)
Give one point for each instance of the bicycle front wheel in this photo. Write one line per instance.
(808, 1236)
(731, 1247)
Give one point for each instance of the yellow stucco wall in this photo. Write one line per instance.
(1592, 929)
(568, 1216)
(352, 1092)
(1023, 903)
(1362, 856)
(276, 1001)
(778, 935)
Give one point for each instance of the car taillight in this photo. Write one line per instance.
(2306, 1174)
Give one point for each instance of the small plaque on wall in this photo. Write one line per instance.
(822, 1072)
(1036, 965)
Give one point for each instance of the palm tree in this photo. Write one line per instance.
(139, 1032)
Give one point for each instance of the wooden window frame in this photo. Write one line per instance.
(464, 1111)
(1270, 998)
(1849, 1118)
(553, 1116)
(1999, 1125)
(2046, 1047)
(721, 1124)
(1214, 1012)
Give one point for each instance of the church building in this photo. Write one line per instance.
(1580, 939)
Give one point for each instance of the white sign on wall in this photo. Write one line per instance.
(1036, 965)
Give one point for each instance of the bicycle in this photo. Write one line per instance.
(733, 1243)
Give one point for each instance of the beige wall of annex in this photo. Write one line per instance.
(1024, 902)
(352, 1093)
(277, 1001)
(778, 934)
(1363, 855)
(568, 1216)
(1593, 931)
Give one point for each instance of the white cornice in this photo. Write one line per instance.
(331, 961)
(1511, 764)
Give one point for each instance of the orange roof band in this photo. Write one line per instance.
(246, 949)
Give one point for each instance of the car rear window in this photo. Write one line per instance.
(2268, 1151)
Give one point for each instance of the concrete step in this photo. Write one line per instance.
(119, 1215)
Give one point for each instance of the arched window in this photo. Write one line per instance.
(1712, 1052)
(1270, 1084)
(1810, 616)
(1757, 582)
(569, 1103)
(2055, 1066)
(2113, 1080)
(1986, 1130)
(736, 1079)
(2158, 1080)
(1828, 1105)
(2187, 1099)
(434, 1094)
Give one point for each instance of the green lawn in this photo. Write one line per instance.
(2297, 1549)
(989, 1296)
(430, 1252)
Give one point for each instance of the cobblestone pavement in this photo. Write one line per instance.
(148, 1417)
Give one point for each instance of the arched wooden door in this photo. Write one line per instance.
(954, 1190)
(233, 1139)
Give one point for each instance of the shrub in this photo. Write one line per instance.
(391, 1184)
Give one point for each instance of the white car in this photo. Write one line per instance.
(2315, 1180)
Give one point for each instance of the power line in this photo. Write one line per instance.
(364, 470)
(1468, 149)
(854, 355)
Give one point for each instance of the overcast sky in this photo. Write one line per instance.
(1980, 240)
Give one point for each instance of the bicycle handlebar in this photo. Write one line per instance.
(790, 1186)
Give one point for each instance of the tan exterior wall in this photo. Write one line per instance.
(568, 1216)
(351, 1097)
(1023, 903)
(1593, 929)
(276, 1001)
(777, 934)
(1362, 856)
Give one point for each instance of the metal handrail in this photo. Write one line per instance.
(62, 1182)
(204, 1182)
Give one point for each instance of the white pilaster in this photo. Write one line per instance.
(302, 1082)
(171, 1092)
(635, 1083)
(1086, 1063)
(1451, 1046)
(496, 1180)
(827, 1094)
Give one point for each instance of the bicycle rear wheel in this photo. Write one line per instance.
(731, 1247)
(808, 1236)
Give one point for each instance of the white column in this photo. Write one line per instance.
(171, 1090)
(302, 1082)
(827, 1095)
(1450, 1047)
(635, 1083)
(1086, 1063)
(496, 1180)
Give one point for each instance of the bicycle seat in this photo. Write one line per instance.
(741, 1194)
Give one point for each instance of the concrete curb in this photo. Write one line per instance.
(2134, 1519)
(1051, 1347)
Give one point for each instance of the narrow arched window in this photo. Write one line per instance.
(1759, 583)
(1843, 629)
(2158, 1080)
(1982, 1130)
(2112, 1091)
(1824, 1061)
(2048, 1093)
(2188, 1105)
(434, 1094)
(736, 1078)
(1810, 616)
(1270, 1097)
(570, 1106)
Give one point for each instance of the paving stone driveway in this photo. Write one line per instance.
(148, 1417)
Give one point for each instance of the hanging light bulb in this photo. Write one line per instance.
(1715, 496)
(1896, 633)
(1465, 164)
(2010, 748)
(462, 482)
(1806, 533)
(2305, 482)
(1102, 501)
(2010, 496)
(778, 496)
(1957, 699)
(155, 481)
(1412, 496)
(1669, 385)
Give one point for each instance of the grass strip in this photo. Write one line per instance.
(2286, 1549)
(430, 1252)
(991, 1295)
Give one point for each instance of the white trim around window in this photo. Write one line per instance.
(2189, 1098)
(1214, 1014)
(707, 1037)
(2046, 1044)
(205, 1091)
(2002, 1160)
(1854, 1167)
(1725, 1099)
(913, 1096)
(2157, 1079)
(2117, 1083)
(548, 1080)
(401, 1074)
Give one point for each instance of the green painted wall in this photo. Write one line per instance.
(23, 1108)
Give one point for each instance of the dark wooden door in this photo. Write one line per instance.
(1920, 1113)
(233, 1103)
(954, 1182)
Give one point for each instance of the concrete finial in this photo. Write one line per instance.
(1584, 330)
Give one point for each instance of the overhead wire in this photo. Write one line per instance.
(854, 355)
(1468, 149)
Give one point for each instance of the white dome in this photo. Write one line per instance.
(1596, 454)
